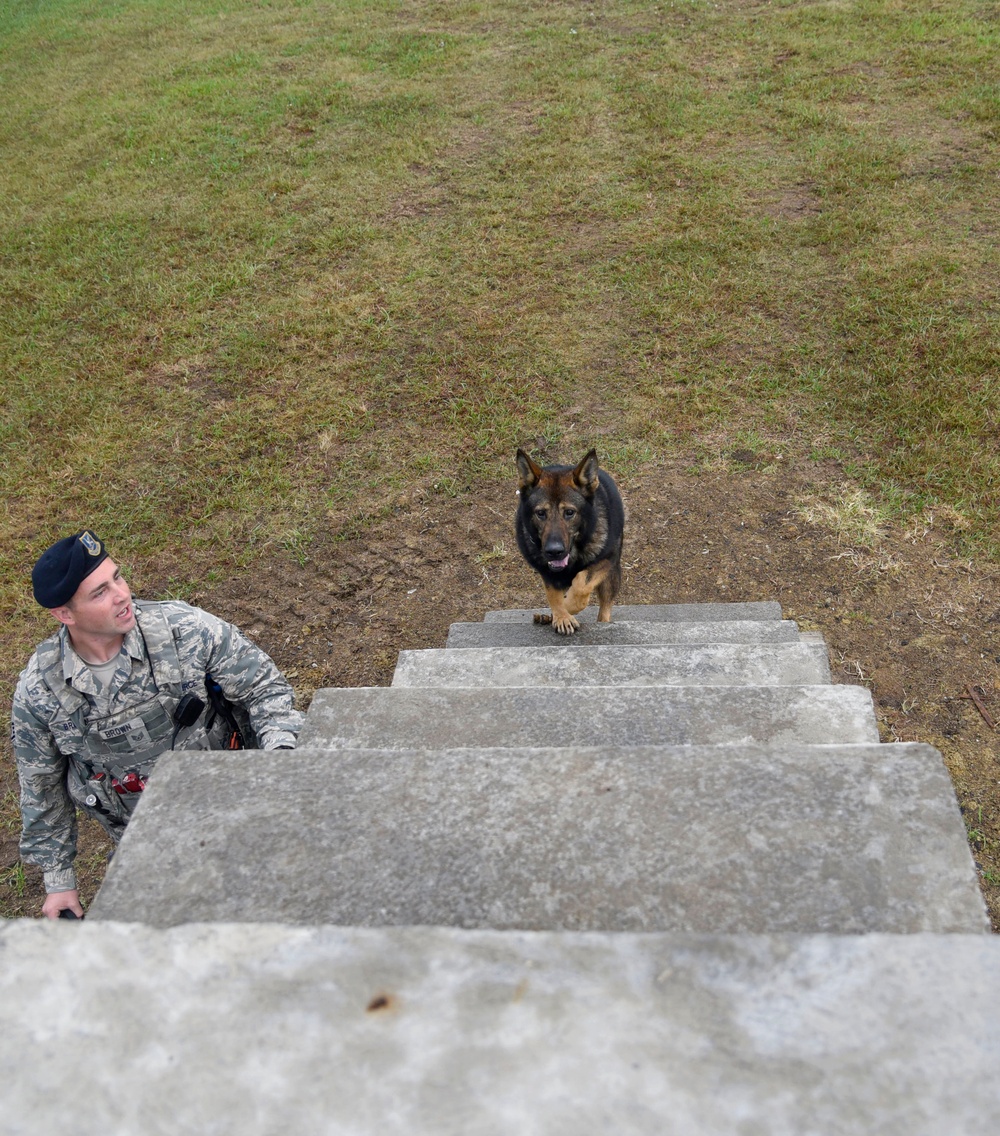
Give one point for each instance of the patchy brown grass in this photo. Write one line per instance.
(282, 289)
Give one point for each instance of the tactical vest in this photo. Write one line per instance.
(103, 748)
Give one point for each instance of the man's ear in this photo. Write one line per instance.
(64, 614)
(529, 471)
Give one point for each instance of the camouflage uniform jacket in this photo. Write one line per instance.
(70, 738)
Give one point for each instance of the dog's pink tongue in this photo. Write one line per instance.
(557, 564)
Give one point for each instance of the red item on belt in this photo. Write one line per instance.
(130, 783)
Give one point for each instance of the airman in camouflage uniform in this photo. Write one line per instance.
(94, 708)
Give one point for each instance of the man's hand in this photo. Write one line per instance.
(59, 900)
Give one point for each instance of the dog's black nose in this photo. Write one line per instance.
(554, 548)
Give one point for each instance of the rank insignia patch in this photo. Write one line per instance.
(90, 543)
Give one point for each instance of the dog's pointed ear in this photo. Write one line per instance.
(585, 475)
(530, 473)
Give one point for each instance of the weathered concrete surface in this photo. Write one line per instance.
(622, 634)
(684, 613)
(119, 1030)
(404, 718)
(690, 664)
(847, 839)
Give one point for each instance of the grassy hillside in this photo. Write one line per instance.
(263, 264)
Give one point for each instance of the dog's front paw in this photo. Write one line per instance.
(543, 617)
(565, 624)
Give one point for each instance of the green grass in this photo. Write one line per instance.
(232, 230)
(235, 233)
(261, 263)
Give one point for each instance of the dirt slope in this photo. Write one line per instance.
(909, 619)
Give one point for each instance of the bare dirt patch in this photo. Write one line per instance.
(911, 619)
(794, 203)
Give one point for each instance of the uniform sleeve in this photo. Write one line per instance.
(48, 816)
(249, 676)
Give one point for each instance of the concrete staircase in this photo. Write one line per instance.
(657, 877)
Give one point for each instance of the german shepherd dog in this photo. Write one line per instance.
(570, 524)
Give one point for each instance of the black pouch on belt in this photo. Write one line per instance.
(187, 713)
(223, 708)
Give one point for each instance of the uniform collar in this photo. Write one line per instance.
(134, 643)
(78, 673)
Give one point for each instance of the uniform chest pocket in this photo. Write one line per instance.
(135, 732)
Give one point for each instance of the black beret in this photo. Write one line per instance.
(61, 569)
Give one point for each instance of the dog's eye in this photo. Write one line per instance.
(541, 514)
(569, 514)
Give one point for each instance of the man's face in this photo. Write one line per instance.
(101, 605)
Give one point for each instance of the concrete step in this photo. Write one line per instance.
(722, 839)
(622, 634)
(706, 664)
(430, 1031)
(658, 613)
(405, 718)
